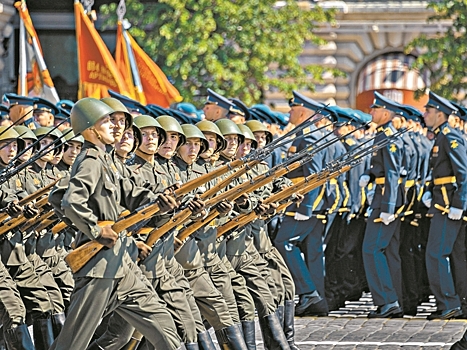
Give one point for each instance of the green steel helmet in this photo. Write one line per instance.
(26, 134)
(11, 134)
(228, 127)
(170, 124)
(69, 135)
(248, 135)
(86, 112)
(256, 125)
(191, 131)
(54, 133)
(49, 131)
(144, 121)
(118, 106)
(208, 126)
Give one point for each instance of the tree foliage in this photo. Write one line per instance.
(446, 53)
(239, 48)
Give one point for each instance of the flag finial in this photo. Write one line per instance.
(121, 10)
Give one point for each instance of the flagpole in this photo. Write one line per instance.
(22, 90)
(134, 69)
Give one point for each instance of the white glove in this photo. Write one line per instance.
(426, 199)
(364, 180)
(387, 218)
(455, 213)
(301, 217)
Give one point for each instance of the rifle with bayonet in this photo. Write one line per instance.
(80, 256)
(291, 164)
(8, 172)
(303, 186)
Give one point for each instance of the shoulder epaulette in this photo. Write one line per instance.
(446, 130)
(93, 153)
(388, 132)
(306, 130)
(350, 141)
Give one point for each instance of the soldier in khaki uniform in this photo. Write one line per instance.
(107, 282)
(240, 260)
(42, 173)
(209, 300)
(153, 264)
(13, 314)
(284, 285)
(35, 296)
(227, 281)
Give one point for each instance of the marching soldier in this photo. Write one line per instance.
(231, 284)
(97, 192)
(34, 294)
(240, 260)
(153, 263)
(299, 222)
(216, 314)
(447, 194)
(381, 242)
(344, 262)
(281, 276)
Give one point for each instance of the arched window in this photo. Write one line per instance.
(391, 75)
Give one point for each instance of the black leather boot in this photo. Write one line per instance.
(249, 334)
(191, 346)
(273, 334)
(205, 341)
(43, 333)
(231, 338)
(2, 340)
(280, 314)
(18, 338)
(289, 329)
(58, 320)
(461, 344)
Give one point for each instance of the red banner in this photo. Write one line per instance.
(97, 69)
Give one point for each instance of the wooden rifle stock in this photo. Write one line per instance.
(229, 195)
(30, 198)
(195, 226)
(303, 186)
(14, 222)
(199, 181)
(81, 255)
(44, 217)
(59, 227)
(183, 215)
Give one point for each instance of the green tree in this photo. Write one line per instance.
(239, 48)
(446, 53)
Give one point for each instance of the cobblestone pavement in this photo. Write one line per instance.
(348, 329)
